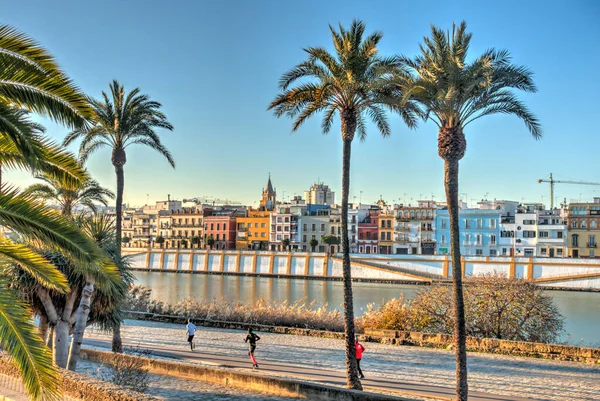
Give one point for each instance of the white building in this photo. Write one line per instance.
(319, 194)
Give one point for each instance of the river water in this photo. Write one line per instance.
(581, 309)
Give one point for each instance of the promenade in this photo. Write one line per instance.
(419, 372)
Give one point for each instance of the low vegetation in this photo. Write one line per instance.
(490, 308)
(131, 373)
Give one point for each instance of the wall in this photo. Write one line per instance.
(552, 272)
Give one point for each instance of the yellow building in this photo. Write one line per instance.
(386, 231)
(253, 230)
(583, 229)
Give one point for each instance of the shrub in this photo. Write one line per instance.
(128, 372)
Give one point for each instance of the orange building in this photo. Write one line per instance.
(253, 230)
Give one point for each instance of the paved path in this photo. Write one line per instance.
(303, 372)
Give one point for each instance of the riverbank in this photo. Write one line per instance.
(580, 309)
(498, 374)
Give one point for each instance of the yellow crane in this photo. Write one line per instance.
(552, 181)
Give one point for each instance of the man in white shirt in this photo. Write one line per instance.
(191, 330)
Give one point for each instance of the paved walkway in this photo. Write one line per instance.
(302, 372)
(433, 368)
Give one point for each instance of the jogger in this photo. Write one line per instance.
(359, 351)
(191, 331)
(252, 339)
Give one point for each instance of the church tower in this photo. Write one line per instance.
(268, 196)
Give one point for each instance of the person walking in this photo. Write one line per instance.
(359, 352)
(252, 338)
(191, 331)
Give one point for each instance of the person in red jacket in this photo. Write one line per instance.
(359, 351)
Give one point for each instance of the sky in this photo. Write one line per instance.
(214, 66)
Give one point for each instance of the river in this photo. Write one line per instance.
(581, 309)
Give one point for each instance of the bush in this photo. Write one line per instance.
(495, 307)
(296, 314)
(128, 372)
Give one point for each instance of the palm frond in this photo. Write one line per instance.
(34, 264)
(20, 338)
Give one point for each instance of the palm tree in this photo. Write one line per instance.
(349, 83)
(453, 93)
(313, 243)
(119, 121)
(31, 81)
(69, 195)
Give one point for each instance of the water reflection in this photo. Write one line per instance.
(581, 309)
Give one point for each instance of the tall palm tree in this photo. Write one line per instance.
(350, 83)
(119, 121)
(31, 81)
(69, 195)
(453, 93)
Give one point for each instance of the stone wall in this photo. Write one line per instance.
(488, 345)
(81, 387)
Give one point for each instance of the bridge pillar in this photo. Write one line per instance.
(191, 264)
(271, 262)
(222, 262)
(176, 261)
(254, 261)
(148, 258)
(238, 262)
(463, 267)
(512, 268)
(289, 263)
(206, 258)
(530, 270)
(162, 260)
(307, 264)
(325, 265)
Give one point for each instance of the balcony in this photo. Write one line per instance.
(402, 218)
(426, 228)
(592, 245)
(428, 240)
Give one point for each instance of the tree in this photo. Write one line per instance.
(160, 240)
(120, 120)
(31, 81)
(196, 241)
(210, 241)
(453, 93)
(330, 240)
(313, 243)
(68, 195)
(350, 83)
(285, 243)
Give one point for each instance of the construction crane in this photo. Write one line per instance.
(552, 181)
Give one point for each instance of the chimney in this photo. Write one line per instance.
(168, 197)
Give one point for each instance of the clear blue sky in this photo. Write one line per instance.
(214, 65)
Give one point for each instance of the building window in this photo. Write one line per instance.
(503, 251)
(212, 226)
(492, 239)
(278, 237)
(305, 227)
(478, 252)
(574, 224)
(360, 235)
(314, 227)
(443, 238)
(467, 223)
(444, 223)
(332, 230)
(322, 227)
(559, 252)
(593, 224)
(528, 234)
(493, 223)
(279, 219)
(544, 234)
(575, 240)
(559, 234)
(493, 252)
(507, 234)
(383, 236)
(224, 237)
(263, 235)
(583, 224)
(528, 252)
(592, 254)
(543, 251)
(217, 237)
(592, 240)
(304, 238)
(368, 235)
(278, 228)
(287, 219)
(479, 223)
(382, 223)
(263, 225)
(389, 236)
(478, 239)
(528, 222)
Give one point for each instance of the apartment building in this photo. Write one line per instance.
(414, 231)
(583, 222)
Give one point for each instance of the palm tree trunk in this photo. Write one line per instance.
(460, 335)
(351, 365)
(43, 327)
(61, 331)
(117, 343)
(82, 316)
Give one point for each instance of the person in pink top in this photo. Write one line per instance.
(359, 351)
